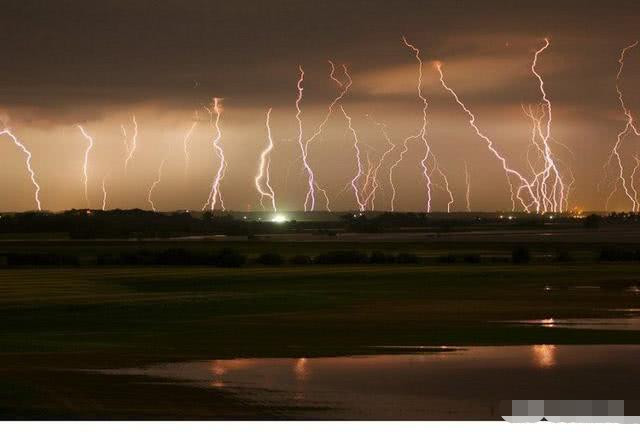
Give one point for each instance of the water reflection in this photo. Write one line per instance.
(549, 322)
(463, 384)
(544, 356)
(301, 369)
(631, 323)
(217, 371)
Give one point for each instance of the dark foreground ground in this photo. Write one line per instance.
(57, 320)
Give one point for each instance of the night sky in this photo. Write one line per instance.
(98, 63)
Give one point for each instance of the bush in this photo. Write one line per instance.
(39, 259)
(378, 257)
(271, 259)
(562, 256)
(406, 258)
(341, 257)
(499, 260)
(592, 221)
(231, 258)
(520, 255)
(142, 257)
(175, 256)
(612, 253)
(471, 258)
(447, 259)
(301, 260)
(108, 259)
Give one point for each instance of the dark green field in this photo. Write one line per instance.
(56, 320)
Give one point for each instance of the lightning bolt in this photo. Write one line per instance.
(124, 139)
(309, 203)
(104, 193)
(446, 187)
(155, 183)
(405, 149)
(215, 195)
(524, 184)
(310, 178)
(467, 179)
(354, 180)
(27, 153)
(552, 200)
(371, 197)
(629, 126)
(263, 168)
(368, 178)
(632, 178)
(186, 141)
(422, 134)
(326, 197)
(85, 164)
(134, 142)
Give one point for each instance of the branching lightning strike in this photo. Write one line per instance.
(422, 134)
(134, 142)
(266, 191)
(215, 195)
(85, 164)
(186, 141)
(524, 184)
(310, 198)
(354, 180)
(467, 180)
(155, 183)
(32, 173)
(628, 127)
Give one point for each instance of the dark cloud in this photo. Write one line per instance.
(182, 52)
(97, 62)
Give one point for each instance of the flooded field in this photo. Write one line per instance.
(307, 342)
(467, 383)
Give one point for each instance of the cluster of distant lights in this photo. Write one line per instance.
(277, 218)
(544, 190)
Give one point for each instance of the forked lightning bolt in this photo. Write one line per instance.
(628, 127)
(552, 186)
(467, 180)
(405, 149)
(85, 164)
(27, 153)
(134, 143)
(266, 191)
(532, 201)
(422, 134)
(155, 183)
(215, 195)
(104, 193)
(354, 180)
(185, 144)
(371, 197)
(310, 198)
(310, 178)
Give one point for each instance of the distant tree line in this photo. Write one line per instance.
(89, 224)
(228, 257)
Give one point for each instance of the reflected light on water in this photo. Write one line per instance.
(549, 322)
(544, 356)
(218, 371)
(301, 369)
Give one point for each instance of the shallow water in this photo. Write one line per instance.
(451, 384)
(631, 323)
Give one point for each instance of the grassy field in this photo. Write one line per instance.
(88, 250)
(56, 321)
(187, 312)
